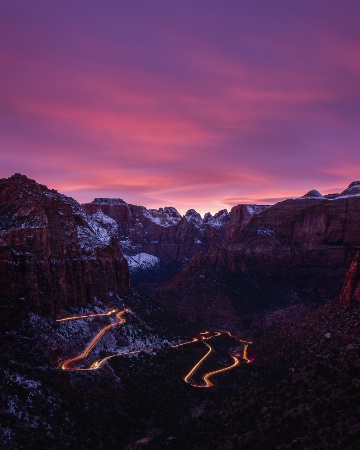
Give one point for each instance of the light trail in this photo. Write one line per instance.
(113, 311)
(234, 337)
(185, 343)
(217, 333)
(207, 376)
(65, 364)
(186, 378)
(204, 336)
(245, 354)
(99, 363)
(210, 374)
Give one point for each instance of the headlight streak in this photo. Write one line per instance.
(87, 316)
(207, 376)
(65, 364)
(204, 336)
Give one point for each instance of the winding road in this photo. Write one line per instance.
(204, 336)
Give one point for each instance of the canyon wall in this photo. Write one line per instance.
(165, 233)
(51, 253)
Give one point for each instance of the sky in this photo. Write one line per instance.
(200, 104)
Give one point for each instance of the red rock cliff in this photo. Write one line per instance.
(51, 253)
(351, 289)
(297, 250)
(165, 233)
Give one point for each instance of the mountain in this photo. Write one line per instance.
(298, 250)
(52, 255)
(165, 234)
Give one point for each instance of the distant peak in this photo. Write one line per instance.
(191, 212)
(352, 190)
(312, 194)
(20, 176)
(108, 201)
(354, 183)
(193, 217)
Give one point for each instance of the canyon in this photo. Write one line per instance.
(87, 361)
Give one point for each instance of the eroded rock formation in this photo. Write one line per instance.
(298, 250)
(351, 289)
(51, 253)
(165, 233)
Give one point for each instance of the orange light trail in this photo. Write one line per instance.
(185, 343)
(99, 363)
(87, 316)
(65, 365)
(205, 335)
(210, 374)
(186, 378)
(207, 376)
(245, 354)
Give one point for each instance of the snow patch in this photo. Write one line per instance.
(264, 231)
(108, 201)
(256, 209)
(96, 231)
(194, 217)
(142, 260)
(353, 191)
(219, 219)
(165, 217)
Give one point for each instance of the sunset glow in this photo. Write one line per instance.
(186, 104)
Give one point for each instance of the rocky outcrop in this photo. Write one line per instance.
(311, 235)
(351, 289)
(51, 253)
(165, 233)
(298, 250)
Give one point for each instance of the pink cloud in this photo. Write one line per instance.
(246, 104)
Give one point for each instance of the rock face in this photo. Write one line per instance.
(297, 250)
(164, 233)
(51, 253)
(310, 236)
(351, 289)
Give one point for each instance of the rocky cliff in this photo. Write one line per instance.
(351, 289)
(308, 235)
(164, 233)
(51, 253)
(297, 250)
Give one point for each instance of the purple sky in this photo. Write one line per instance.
(195, 104)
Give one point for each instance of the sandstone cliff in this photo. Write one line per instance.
(51, 253)
(351, 289)
(165, 233)
(298, 250)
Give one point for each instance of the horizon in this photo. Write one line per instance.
(182, 212)
(181, 103)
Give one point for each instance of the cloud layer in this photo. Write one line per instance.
(181, 103)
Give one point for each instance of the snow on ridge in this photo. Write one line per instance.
(165, 217)
(143, 261)
(194, 217)
(314, 194)
(353, 191)
(256, 209)
(101, 228)
(219, 219)
(108, 201)
(106, 221)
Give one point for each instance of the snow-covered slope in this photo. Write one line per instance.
(165, 217)
(143, 261)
